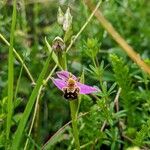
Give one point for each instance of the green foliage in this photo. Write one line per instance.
(97, 72)
(32, 98)
(10, 76)
(91, 48)
(123, 79)
(107, 119)
(143, 134)
(91, 122)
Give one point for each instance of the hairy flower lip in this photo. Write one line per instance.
(61, 82)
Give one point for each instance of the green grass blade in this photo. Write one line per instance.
(18, 83)
(23, 121)
(10, 74)
(19, 58)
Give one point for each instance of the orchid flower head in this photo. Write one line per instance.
(69, 84)
(58, 44)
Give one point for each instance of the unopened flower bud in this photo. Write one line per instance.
(58, 44)
(67, 20)
(60, 16)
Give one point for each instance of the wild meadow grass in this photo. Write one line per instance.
(74, 75)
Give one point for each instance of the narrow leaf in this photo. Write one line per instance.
(19, 133)
(10, 74)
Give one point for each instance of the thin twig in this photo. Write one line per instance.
(116, 101)
(83, 27)
(103, 126)
(118, 38)
(34, 115)
(19, 58)
(61, 129)
(120, 123)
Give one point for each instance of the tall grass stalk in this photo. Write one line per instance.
(36, 106)
(19, 58)
(10, 75)
(118, 38)
(19, 133)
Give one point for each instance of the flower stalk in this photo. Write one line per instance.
(71, 87)
(62, 60)
(74, 111)
(73, 104)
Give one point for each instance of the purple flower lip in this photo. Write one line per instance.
(67, 82)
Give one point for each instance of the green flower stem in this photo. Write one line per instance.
(63, 64)
(73, 104)
(94, 62)
(74, 109)
(62, 60)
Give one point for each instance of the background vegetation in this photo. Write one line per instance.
(115, 118)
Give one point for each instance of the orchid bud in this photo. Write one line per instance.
(58, 44)
(67, 20)
(60, 16)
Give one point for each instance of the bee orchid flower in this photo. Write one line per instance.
(68, 83)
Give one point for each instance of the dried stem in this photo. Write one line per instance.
(116, 101)
(103, 126)
(118, 38)
(120, 123)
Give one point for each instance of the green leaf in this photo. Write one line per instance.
(10, 74)
(19, 133)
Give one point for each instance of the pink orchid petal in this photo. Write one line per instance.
(64, 75)
(85, 89)
(59, 83)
